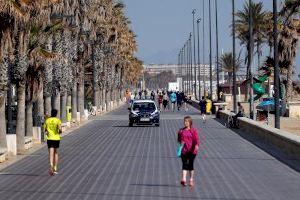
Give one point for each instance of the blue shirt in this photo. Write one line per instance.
(173, 97)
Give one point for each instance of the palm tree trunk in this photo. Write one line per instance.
(99, 98)
(63, 110)
(289, 86)
(81, 100)
(29, 121)
(20, 130)
(56, 103)
(40, 106)
(74, 102)
(3, 143)
(69, 100)
(269, 82)
(96, 95)
(258, 55)
(47, 106)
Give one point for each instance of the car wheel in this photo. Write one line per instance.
(157, 125)
(130, 124)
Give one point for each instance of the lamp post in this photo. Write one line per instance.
(250, 57)
(210, 52)
(217, 49)
(203, 50)
(195, 66)
(199, 64)
(276, 66)
(191, 63)
(233, 55)
(187, 66)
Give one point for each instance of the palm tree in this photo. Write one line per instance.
(288, 41)
(49, 46)
(259, 25)
(226, 64)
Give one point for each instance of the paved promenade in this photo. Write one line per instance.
(107, 160)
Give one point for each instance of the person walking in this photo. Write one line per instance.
(203, 104)
(52, 128)
(179, 100)
(173, 99)
(165, 101)
(153, 95)
(189, 139)
(160, 100)
(184, 99)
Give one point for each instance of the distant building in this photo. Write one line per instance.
(178, 70)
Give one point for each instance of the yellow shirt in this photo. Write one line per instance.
(51, 126)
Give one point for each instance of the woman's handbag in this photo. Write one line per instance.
(179, 150)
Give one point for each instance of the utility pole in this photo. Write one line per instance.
(276, 67)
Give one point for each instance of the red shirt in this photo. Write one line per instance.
(190, 138)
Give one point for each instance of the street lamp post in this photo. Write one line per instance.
(250, 57)
(190, 63)
(187, 65)
(210, 51)
(276, 66)
(234, 59)
(203, 50)
(217, 49)
(195, 66)
(199, 65)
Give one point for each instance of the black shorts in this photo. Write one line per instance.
(188, 161)
(53, 144)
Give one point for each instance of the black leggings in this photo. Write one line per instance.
(188, 161)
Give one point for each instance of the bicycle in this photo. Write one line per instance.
(92, 111)
(232, 122)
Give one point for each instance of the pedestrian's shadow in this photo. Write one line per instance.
(155, 185)
(268, 148)
(126, 126)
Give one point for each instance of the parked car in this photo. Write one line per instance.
(143, 112)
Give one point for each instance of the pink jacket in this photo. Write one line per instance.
(190, 138)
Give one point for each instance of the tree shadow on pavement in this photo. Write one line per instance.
(268, 148)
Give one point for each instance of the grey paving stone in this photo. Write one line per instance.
(106, 159)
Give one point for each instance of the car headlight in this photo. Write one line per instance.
(134, 114)
(154, 114)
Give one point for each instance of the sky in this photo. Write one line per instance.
(163, 26)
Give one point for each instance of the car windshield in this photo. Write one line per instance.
(144, 106)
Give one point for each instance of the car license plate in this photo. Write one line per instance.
(145, 120)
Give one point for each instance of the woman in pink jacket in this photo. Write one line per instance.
(189, 138)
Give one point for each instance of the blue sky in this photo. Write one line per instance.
(162, 26)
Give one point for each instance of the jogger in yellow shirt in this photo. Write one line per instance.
(52, 127)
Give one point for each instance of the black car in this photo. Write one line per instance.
(143, 112)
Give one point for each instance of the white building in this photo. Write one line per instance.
(178, 70)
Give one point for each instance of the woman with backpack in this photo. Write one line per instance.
(189, 141)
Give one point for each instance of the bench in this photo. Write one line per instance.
(222, 105)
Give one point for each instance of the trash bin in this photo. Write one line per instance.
(69, 114)
(213, 109)
(208, 106)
